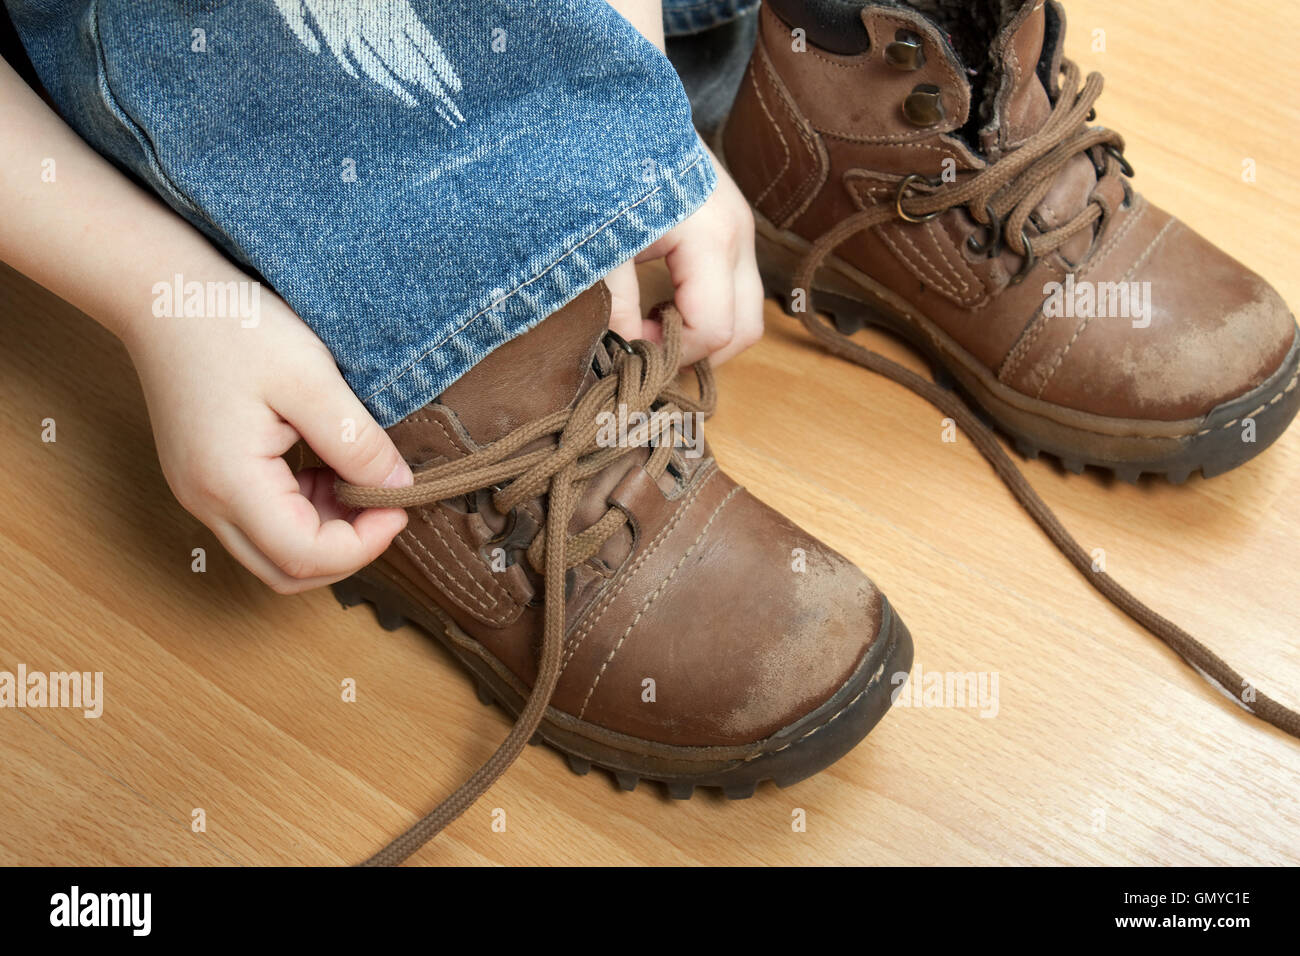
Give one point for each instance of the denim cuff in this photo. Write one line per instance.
(574, 267)
(414, 224)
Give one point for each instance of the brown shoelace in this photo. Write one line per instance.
(641, 379)
(1004, 195)
(1013, 187)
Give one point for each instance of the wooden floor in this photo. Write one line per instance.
(1105, 748)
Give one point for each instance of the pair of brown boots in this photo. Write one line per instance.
(926, 167)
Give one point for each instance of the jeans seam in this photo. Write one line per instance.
(132, 126)
(406, 370)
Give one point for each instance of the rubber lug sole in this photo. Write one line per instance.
(1217, 448)
(832, 739)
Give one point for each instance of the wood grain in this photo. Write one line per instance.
(1105, 748)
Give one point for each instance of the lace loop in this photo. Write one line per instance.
(1006, 192)
(642, 379)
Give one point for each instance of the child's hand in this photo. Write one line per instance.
(710, 257)
(226, 402)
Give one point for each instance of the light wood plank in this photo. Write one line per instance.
(1105, 747)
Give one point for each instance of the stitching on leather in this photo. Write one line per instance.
(1146, 254)
(496, 594)
(962, 293)
(441, 427)
(1012, 361)
(596, 613)
(1114, 240)
(941, 255)
(785, 148)
(952, 255)
(896, 138)
(403, 542)
(654, 595)
(803, 193)
(451, 578)
(861, 65)
(937, 278)
(857, 697)
(1016, 78)
(1032, 329)
(502, 601)
(796, 197)
(1272, 401)
(948, 152)
(816, 180)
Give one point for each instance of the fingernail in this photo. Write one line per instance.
(399, 477)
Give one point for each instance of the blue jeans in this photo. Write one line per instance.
(421, 180)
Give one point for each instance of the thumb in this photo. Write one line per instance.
(338, 428)
(625, 301)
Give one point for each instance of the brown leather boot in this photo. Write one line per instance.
(933, 162)
(636, 609)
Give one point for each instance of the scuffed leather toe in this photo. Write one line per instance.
(757, 626)
(1217, 331)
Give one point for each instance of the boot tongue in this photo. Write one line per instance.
(540, 372)
(1015, 102)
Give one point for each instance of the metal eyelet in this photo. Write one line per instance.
(902, 188)
(1030, 259)
(612, 337)
(993, 245)
(1125, 166)
(906, 53)
(924, 106)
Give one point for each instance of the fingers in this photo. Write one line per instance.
(748, 327)
(712, 262)
(295, 534)
(332, 420)
(625, 301)
(703, 272)
(246, 553)
(317, 486)
(293, 545)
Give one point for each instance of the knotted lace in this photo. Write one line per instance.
(641, 379)
(1013, 187)
(1003, 195)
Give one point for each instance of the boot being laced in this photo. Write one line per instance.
(642, 379)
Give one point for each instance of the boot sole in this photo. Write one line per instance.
(800, 750)
(1129, 448)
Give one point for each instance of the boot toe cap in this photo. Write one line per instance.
(765, 625)
(1210, 331)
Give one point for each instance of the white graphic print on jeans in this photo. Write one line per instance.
(386, 39)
